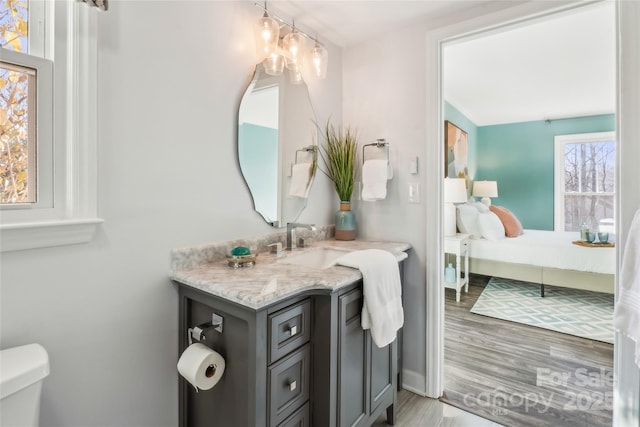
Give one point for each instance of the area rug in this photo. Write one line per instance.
(571, 311)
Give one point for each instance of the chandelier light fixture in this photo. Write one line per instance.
(280, 44)
(295, 46)
(318, 58)
(267, 33)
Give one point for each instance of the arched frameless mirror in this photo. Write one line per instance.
(277, 146)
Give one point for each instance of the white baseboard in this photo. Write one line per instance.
(414, 382)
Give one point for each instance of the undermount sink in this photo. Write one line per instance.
(315, 257)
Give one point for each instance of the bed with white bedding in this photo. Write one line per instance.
(546, 258)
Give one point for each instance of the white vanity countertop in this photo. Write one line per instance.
(269, 280)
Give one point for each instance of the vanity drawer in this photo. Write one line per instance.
(300, 418)
(289, 328)
(288, 384)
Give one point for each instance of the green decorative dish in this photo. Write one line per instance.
(240, 261)
(240, 251)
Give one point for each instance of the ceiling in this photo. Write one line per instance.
(349, 22)
(557, 68)
(562, 66)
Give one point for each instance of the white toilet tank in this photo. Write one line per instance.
(22, 370)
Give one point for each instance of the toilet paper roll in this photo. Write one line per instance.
(201, 366)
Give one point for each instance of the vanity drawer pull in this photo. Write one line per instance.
(288, 383)
(288, 329)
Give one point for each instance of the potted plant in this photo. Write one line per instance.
(339, 157)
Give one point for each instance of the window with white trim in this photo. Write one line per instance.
(585, 169)
(18, 117)
(26, 116)
(47, 124)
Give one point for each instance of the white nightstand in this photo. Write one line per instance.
(458, 245)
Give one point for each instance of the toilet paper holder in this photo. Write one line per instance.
(197, 332)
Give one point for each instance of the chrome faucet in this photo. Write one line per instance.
(291, 233)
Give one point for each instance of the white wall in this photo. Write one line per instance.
(171, 76)
(386, 96)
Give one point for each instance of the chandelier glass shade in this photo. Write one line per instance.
(267, 34)
(304, 56)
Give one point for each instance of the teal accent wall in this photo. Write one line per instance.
(520, 157)
(452, 114)
(258, 158)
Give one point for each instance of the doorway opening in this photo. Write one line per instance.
(515, 368)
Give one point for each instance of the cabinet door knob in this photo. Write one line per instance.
(293, 385)
(293, 330)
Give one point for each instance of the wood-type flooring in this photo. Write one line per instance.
(519, 375)
(418, 411)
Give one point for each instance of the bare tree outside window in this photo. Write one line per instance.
(17, 110)
(14, 25)
(589, 178)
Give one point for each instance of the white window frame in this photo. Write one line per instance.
(559, 143)
(71, 218)
(44, 137)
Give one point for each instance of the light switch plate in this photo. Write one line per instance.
(414, 192)
(413, 166)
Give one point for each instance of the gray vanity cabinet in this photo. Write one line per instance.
(268, 357)
(360, 383)
(352, 369)
(300, 362)
(366, 373)
(289, 372)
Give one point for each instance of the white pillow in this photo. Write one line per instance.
(467, 220)
(490, 226)
(482, 208)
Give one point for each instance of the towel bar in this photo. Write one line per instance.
(309, 149)
(379, 143)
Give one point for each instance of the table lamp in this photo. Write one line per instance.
(485, 189)
(455, 191)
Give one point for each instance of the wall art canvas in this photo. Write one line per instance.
(456, 151)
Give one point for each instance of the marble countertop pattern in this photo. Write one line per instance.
(269, 280)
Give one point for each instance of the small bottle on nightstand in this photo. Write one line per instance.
(450, 274)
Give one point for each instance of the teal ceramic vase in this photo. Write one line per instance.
(345, 222)
(450, 274)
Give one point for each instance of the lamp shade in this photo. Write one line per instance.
(295, 76)
(273, 64)
(267, 33)
(485, 189)
(455, 190)
(295, 46)
(316, 59)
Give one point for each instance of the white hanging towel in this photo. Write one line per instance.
(300, 180)
(382, 309)
(374, 180)
(626, 317)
